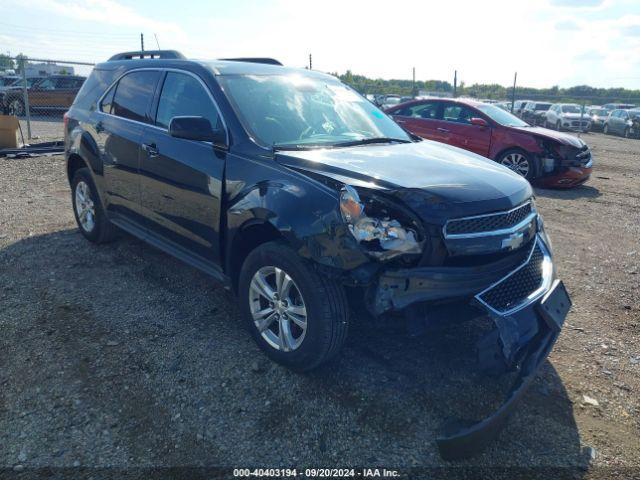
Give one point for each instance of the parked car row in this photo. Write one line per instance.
(308, 202)
(614, 118)
(50, 93)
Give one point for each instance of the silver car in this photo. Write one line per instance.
(568, 116)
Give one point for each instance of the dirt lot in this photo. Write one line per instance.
(118, 356)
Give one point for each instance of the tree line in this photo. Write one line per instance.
(577, 94)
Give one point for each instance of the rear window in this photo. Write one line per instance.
(133, 95)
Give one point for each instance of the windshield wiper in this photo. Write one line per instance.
(365, 141)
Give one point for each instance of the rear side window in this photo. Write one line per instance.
(107, 101)
(183, 95)
(423, 110)
(133, 95)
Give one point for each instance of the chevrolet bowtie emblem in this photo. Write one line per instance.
(513, 241)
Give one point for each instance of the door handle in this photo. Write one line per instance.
(443, 130)
(151, 149)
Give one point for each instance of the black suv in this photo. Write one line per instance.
(307, 200)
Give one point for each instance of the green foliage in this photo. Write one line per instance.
(6, 62)
(578, 94)
(366, 85)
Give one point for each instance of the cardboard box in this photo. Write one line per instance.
(8, 132)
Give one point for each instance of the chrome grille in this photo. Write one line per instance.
(513, 290)
(489, 222)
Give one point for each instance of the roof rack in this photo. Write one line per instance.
(266, 60)
(162, 54)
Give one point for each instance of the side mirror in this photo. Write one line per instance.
(479, 122)
(196, 128)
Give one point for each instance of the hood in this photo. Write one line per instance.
(438, 181)
(561, 137)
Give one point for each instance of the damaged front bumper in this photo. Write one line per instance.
(527, 305)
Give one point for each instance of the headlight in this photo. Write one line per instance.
(374, 226)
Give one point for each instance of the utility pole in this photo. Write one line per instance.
(455, 83)
(513, 94)
(310, 64)
(413, 87)
(142, 42)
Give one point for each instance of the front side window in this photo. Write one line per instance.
(458, 113)
(293, 110)
(133, 95)
(183, 95)
(46, 84)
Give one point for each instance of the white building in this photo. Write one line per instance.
(42, 69)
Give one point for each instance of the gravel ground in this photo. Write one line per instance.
(119, 356)
(44, 128)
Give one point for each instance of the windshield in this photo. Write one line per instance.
(570, 109)
(303, 111)
(501, 116)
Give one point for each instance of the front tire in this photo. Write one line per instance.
(627, 133)
(518, 161)
(297, 316)
(605, 130)
(558, 126)
(87, 209)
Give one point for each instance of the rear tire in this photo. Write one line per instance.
(303, 322)
(87, 209)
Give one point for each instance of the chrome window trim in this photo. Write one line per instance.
(162, 69)
(547, 280)
(491, 233)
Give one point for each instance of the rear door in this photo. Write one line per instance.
(456, 123)
(421, 119)
(123, 113)
(181, 180)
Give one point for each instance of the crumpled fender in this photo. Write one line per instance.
(287, 206)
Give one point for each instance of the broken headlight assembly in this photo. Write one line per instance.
(384, 229)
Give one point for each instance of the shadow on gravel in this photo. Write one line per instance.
(162, 371)
(582, 191)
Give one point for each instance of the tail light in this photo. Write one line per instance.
(65, 119)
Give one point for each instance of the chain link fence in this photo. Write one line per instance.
(38, 92)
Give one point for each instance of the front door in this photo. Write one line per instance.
(456, 120)
(181, 180)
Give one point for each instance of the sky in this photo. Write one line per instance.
(548, 42)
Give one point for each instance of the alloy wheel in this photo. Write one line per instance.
(517, 162)
(278, 309)
(85, 208)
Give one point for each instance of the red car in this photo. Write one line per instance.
(546, 157)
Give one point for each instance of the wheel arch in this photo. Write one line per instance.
(247, 238)
(533, 158)
(74, 163)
